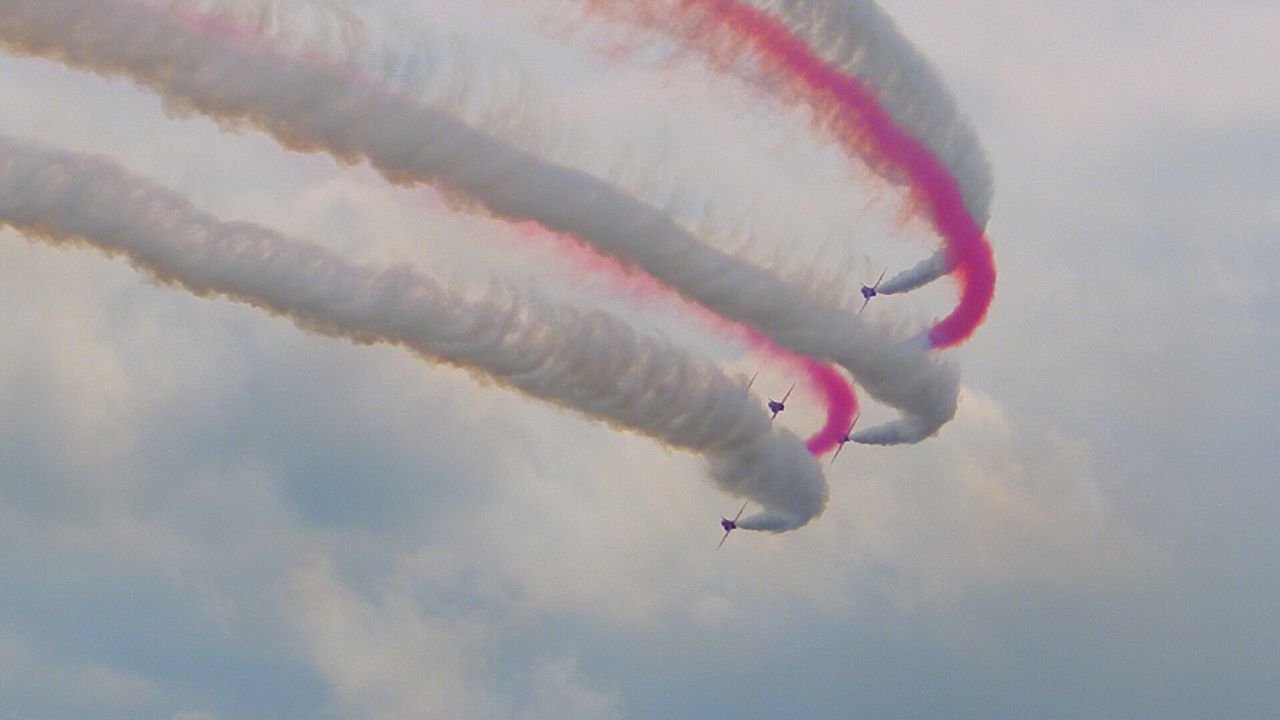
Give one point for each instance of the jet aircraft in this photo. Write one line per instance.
(845, 437)
(870, 291)
(778, 406)
(730, 525)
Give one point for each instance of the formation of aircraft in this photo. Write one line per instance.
(730, 525)
(870, 291)
(778, 406)
(845, 437)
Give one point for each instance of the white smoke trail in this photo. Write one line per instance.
(309, 106)
(588, 361)
(917, 276)
(858, 38)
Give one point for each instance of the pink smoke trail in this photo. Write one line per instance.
(838, 397)
(837, 393)
(725, 29)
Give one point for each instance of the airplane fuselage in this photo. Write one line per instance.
(728, 524)
(868, 292)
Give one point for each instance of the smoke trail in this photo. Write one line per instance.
(588, 361)
(861, 40)
(825, 380)
(916, 276)
(838, 396)
(857, 118)
(308, 106)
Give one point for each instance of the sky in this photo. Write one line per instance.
(209, 513)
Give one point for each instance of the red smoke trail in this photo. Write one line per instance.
(838, 395)
(726, 29)
(836, 392)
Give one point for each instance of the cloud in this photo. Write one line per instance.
(387, 659)
(395, 656)
(37, 686)
(1101, 503)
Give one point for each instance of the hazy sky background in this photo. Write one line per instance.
(207, 513)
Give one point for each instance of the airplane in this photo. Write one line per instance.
(778, 406)
(730, 525)
(845, 437)
(869, 292)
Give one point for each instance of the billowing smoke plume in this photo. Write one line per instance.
(855, 38)
(917, 276)
(309, 106)
(587, 361)
(824, 381)
(861, 40)
(876, 96)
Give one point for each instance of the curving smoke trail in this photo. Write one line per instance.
(835, 392)
(877, 97)
(588, 361)
(916, 276)
(824, 380)
(310, 106)
(860, 40)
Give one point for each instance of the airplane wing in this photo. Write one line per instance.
(735, 522)
(784, 400)
(864, 305)
(847, 433)
(752, 381)
(882, 272)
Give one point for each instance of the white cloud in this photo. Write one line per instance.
(395, 655)
(1069, 71)
(394, 539)
(384, 658)
(558, 694)
(36, 682)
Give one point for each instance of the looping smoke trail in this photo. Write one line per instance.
(860, 40)
(916, 276)
(725, 29)
(588, 361)
(837, 394)
(310, 106)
